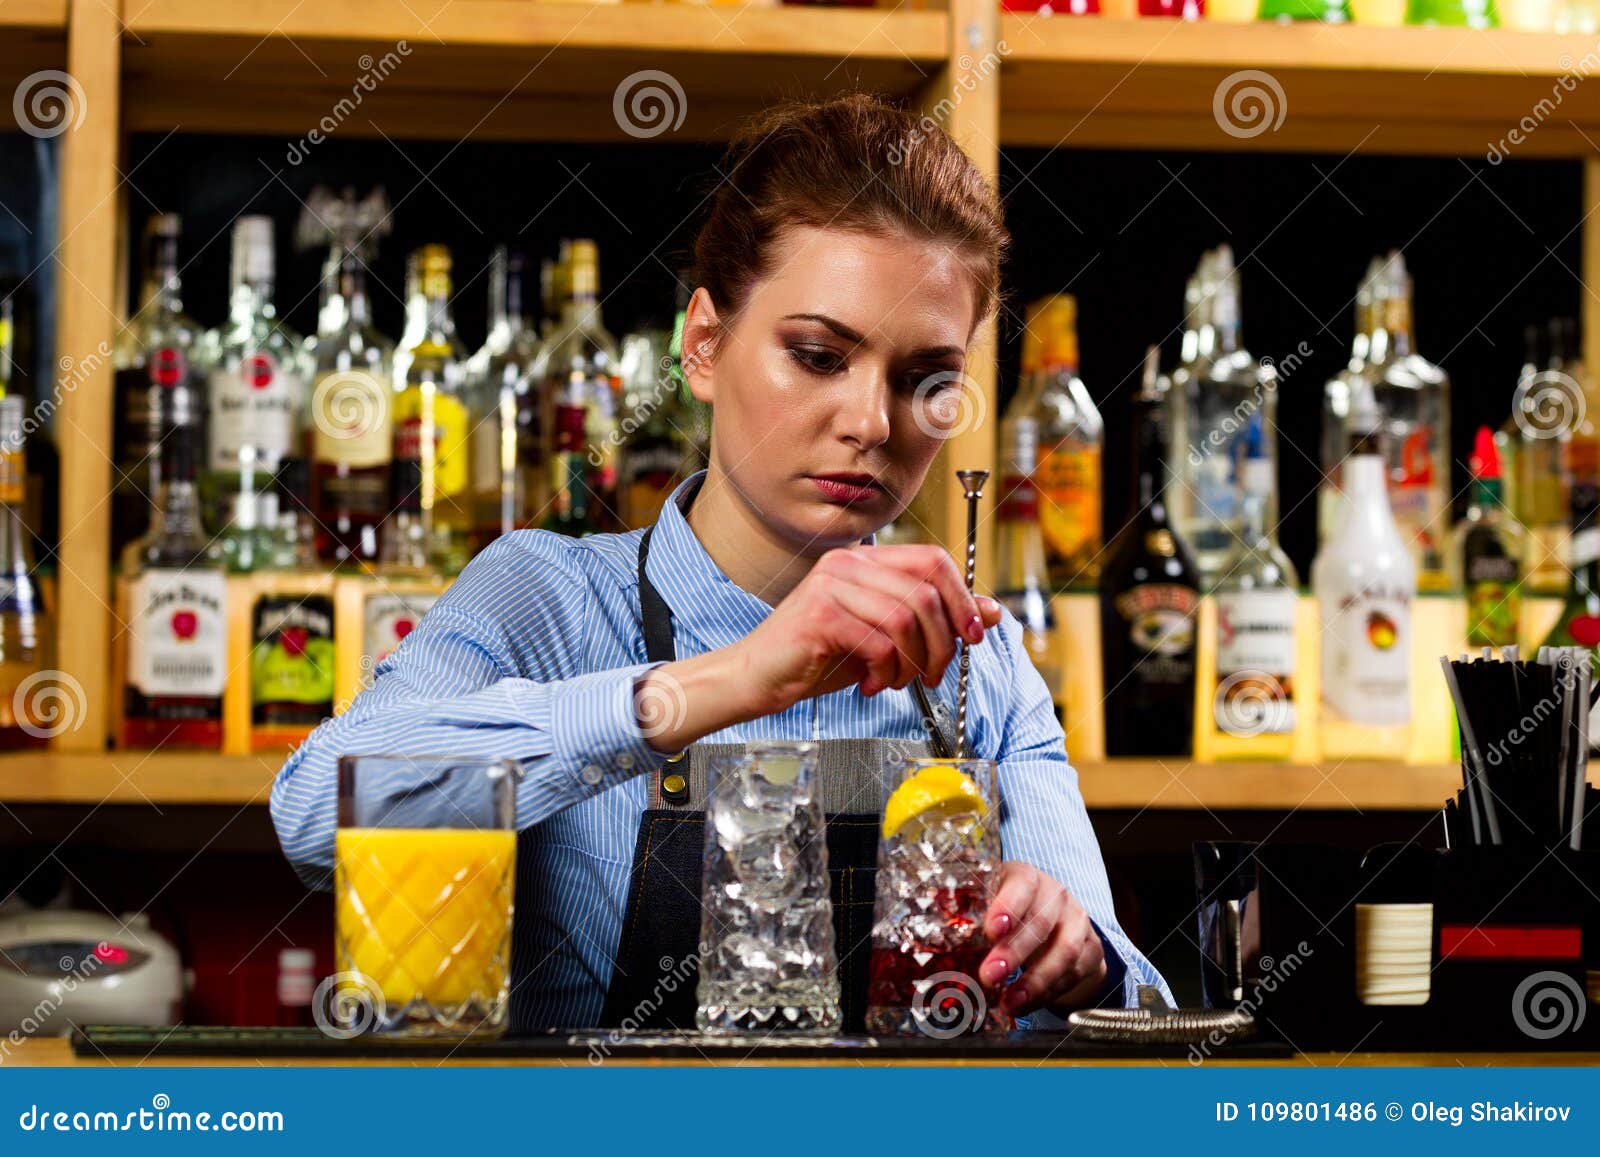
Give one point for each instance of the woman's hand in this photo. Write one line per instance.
(1035, 923)
(872, 616)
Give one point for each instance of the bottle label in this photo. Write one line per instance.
(1583, 547)
(651, 472)
(1255, 662)
(291, 661)
(1019, 500)
(1494, 601)
(351, 416)
(486, 455)
(1161, 626)
(387, 619)
(179, 643)
(1068, 481)
(451, 433)
(1366, 668)
(253, 405)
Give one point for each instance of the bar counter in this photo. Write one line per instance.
(56, 1052)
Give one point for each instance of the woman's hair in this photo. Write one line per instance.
(852, 162)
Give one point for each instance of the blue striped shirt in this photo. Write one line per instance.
(532, 654)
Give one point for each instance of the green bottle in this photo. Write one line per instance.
(1486, 554)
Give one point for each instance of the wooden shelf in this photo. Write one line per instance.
(162, 779)
(33, 38)
(501, 69)
(1152, 83)
(136, 777)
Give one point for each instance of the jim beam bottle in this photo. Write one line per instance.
(1149, 599)
(177, 636)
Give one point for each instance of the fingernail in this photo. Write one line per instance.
(1002, 925)
(973, 631)
(997, 971)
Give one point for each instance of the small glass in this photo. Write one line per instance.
(938, 867)
(424, 870)
(767, 957)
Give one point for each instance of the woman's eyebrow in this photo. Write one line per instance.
(850, 335)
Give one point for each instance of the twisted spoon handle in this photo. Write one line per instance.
(972, 489)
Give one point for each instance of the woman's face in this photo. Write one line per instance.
(839, 380)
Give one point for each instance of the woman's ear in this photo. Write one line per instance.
(701, 328)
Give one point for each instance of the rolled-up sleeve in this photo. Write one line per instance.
(456, 686)
(1044, 821)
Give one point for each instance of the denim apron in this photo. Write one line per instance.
(656, 962)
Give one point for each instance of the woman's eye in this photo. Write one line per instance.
(819, 361)
(932, 380)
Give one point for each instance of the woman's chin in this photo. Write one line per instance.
(826, 526)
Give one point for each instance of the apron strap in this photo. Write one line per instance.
(672, 787)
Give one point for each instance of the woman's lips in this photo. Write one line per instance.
(847, 489)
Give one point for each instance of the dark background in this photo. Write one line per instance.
(1490, 248)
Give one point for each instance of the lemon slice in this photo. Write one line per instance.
(938, 789)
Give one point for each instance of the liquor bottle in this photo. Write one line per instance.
(697, 414)
(655, 457)
(404, 550)
(1486, 554)
(536, 412)
(1252, 708)
(1022, 580)
(257, 397)
(352, 424)
(1364, 579)
(297, 985)
(26, 708)
(415, 327)
(340, 223)
(579, 367)
(497, 407)
(1553, 450)
(177, 639)
(1579, 622)
(1344, 387)
(294, 530)
(291, 668)
(1149, 595)
(1575, 411)
(1413, 396)
(431, 425)
(1071, 441)
(154, 354)
(1212, 405)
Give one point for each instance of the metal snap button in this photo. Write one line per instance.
(677, 756)
(674, 788)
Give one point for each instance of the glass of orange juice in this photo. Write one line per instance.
(424, 867)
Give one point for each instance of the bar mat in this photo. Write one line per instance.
(594, 1046)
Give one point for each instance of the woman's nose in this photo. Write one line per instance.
(863, 417)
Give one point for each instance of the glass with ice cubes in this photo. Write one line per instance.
(938, 868)
(767, 957)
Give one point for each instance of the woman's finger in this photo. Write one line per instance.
(894, 650)
(1071, 955)
(1008, 911)
(933, 564)
(923, 598)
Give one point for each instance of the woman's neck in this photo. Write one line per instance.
(743, 546)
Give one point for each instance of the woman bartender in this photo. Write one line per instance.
(848, 259)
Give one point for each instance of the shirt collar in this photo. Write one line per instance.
(704, 601)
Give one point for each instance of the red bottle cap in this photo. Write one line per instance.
(1485, 460)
